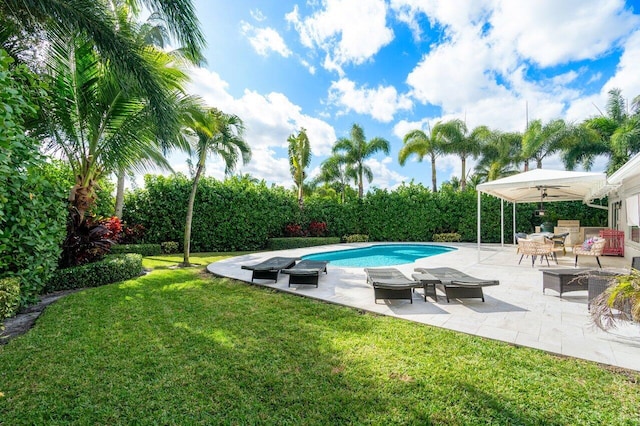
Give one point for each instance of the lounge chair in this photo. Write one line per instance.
(592, 247)
(457, 284)
(268, 269)
(390, 283)
(306, 272)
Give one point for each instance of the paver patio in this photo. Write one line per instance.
(516, 311)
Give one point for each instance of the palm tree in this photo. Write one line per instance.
(419, 143)
(615, 134)
(500, 154)
(456, 140)
(334, 171)
(217, 133)
(299, 159)
(540, 141)
(355, 150)
(98, 124)
(95, 21)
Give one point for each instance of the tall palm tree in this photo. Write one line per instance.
(98, 123)
(419, 143)
(457, 140)
(212, 132)
(500, 154)
(615, 134)
(355, 150)
(334, 171)
(540, 141)
(299, 160)
(94, 20)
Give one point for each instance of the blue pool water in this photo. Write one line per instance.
(379, 255)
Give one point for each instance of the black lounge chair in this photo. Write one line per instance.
(268, 269)
(390, 283)
(306, 272)
(457, 284)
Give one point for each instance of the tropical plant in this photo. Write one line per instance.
(299, 160)
(457, 140)
(211, 132)
(620, 301)
(23, 21)
(333, 171)
(355, 150)
(419, 143)
(615, 134)
(500, 154)
(540, 141)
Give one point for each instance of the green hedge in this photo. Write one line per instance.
(238, 214)
(298, 242)
(142, 249)
(111, 269)
(9, 297)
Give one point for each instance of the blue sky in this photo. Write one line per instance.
(397, 65)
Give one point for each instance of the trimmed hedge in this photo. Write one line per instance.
(142, 249)
(447, 237)
(111, 269)
(356, 238)
(298, 242)
(238, 214)
(9, 297)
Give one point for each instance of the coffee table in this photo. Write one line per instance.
(565, 280)
(428, 282)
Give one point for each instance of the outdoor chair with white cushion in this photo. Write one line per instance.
(592, 247)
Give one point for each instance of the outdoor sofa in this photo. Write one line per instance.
(306, 272)
(269, 269)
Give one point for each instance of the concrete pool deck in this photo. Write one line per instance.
(516, 311)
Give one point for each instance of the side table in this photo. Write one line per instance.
(428, 282)
(564, 280)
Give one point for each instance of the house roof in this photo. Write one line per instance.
(550, 185)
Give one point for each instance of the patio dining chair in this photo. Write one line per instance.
(535, 248)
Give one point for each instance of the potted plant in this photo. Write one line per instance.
(619, 302)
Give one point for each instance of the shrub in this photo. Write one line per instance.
(317, 229)
(132, 234)
(32, 208)
(114, 227)
(9, 297)
(169, 247)
(111, 269)
(447, 237)
(298, 242)
(356, 238)
(141, 249)
(293, 230)
(87, 240)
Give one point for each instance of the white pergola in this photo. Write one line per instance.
(528, 187)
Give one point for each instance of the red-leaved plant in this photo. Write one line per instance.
(317, 229)
(293, 230)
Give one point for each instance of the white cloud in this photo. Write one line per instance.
(383, 176)
(627, 77)
(381, 103)
(348, 31)
(269, 120)
(257, 15)
(265, 40)
(549, 32)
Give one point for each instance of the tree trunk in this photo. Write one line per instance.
(120, 194)
(82, 196)
(187, 226)
(539, 163)
(300, 196)
(463, 179)
(360, 186)
(526, 165)
(434, 181)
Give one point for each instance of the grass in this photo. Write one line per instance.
(178, 346)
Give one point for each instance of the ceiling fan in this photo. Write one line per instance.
(544, 194)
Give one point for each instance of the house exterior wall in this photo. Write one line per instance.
(629, 185)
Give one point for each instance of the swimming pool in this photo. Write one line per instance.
(379, 255)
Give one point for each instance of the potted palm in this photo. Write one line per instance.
(619, 302)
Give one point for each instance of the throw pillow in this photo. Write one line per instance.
(586, 246)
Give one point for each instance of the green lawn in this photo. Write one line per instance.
(179, 347)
